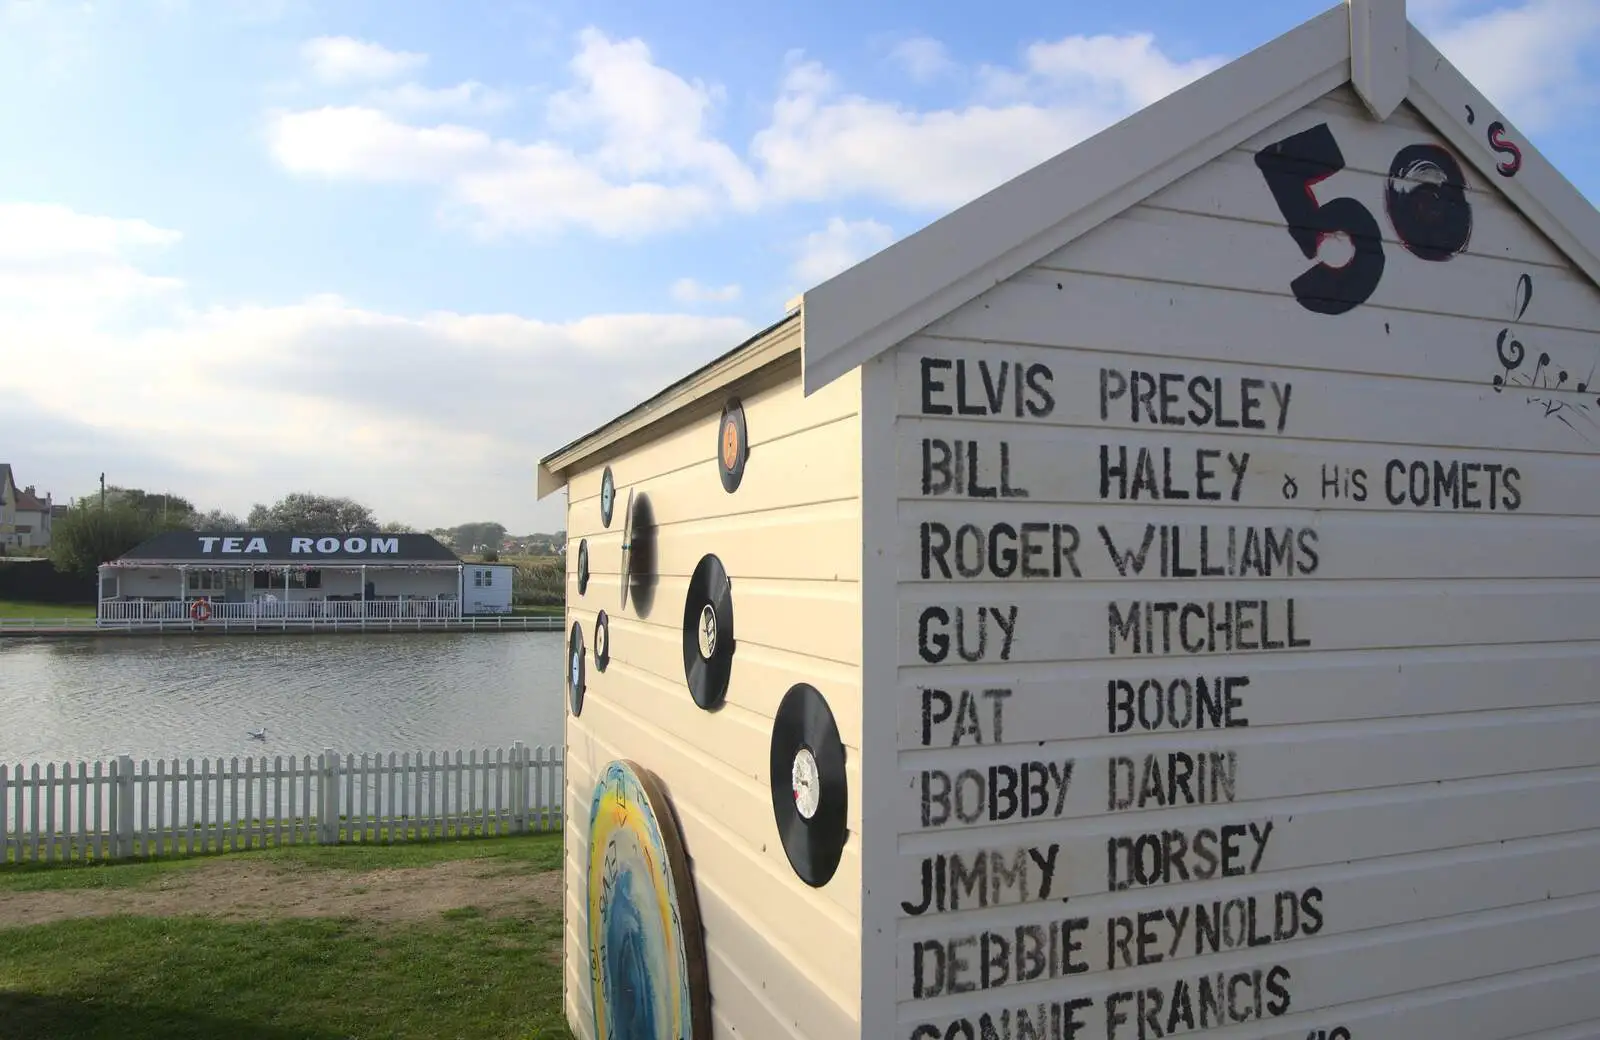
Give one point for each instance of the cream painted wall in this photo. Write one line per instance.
(783, 957)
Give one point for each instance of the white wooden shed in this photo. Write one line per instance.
(1194, 542)
(486, 588)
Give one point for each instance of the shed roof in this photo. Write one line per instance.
(1368, 44)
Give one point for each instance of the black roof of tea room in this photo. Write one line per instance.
(267, 547)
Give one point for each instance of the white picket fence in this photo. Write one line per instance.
(118, 809)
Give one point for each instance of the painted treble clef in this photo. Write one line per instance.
(1507, 347)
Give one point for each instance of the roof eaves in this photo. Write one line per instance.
(776, 341)
(893, 294)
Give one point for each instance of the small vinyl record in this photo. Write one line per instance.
(708, 633)
(810, 795)
(602, 642)
(733, 445)
(627, 544)
(576, 683)
(583, 566)
(608, 497)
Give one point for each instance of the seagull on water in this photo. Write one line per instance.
(259, 734)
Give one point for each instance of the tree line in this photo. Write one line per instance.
(102, 527)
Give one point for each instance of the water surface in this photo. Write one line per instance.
(180, 696)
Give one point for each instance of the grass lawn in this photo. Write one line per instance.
(9, 609)
(439, 940)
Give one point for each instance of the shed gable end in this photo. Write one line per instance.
(1328, 241)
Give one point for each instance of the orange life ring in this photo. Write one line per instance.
(201, 610)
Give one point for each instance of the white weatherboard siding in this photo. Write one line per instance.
(782, 957)
(1246, 654)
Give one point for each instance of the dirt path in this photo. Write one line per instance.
(256, 891)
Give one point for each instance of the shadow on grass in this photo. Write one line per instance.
(33, 1016)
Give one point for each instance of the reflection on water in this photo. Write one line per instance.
(167, 696)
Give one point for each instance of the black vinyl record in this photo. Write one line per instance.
(576, 679)
(810, 795)
(608, 497)
(708, 633)
(602, 642)
(733, 445)
(583, 566)
(642, 577)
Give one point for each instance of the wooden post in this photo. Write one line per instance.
(519, 788)
(122, 807)
(328, 797)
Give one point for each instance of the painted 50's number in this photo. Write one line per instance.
(1424, 197)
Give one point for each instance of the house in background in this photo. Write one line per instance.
(24, 516)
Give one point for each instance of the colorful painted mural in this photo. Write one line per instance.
(646, 955)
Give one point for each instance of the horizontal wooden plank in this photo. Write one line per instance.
(1496, 1006)
(820, 542)
(961, 381)
(735, 737)
(817, 619)
(1167, 246)
(1162, 319)
(1290, 833)
(958, 625)
(944, 542)
(1232, 186)
(1545, 1000)
(729, 832)
(1133, 699)
(760, 677)
(757, 983)
(772, 413)
(818, 465)
(1269, 916)
(1365, 143)
(951, 789)
(1073, 465)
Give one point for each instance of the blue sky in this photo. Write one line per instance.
(400, 250)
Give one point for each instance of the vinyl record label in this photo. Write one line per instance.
(602, 642)
(608, 497)
(708, 641)
(810, 795)
(733, 445)
(583, 566)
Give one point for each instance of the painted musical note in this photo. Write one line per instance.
(1547, 384)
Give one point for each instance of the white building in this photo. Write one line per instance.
(486, 588)
(24, 516)
(1166, 594)
(241, 575)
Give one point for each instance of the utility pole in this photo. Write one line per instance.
(102, 492)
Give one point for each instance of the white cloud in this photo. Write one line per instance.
(922, 58)
(58, 263)
(632, 148)
(420, 416)
(687, 290)
(342, 59)
(1528, 58)
(840, 245)
(468, 97)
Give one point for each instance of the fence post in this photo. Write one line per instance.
(122, 837)
(519, 788)
(328, 811)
